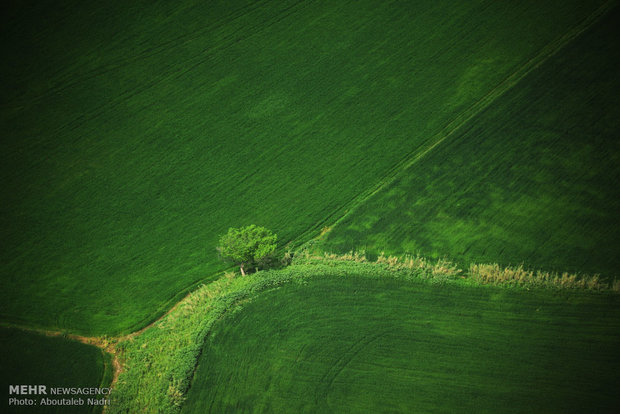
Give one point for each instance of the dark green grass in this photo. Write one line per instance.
(135, 134)
(355, 344)
(534, 179)
(33, 359)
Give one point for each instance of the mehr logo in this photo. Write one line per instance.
(27, 389)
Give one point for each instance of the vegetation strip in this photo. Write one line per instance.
(153, 367)
(363, 344)
(159, 364)
(175, 147)
(213, 301)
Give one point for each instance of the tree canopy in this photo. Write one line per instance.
(248, 247)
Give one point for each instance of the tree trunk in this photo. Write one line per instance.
(242, 272)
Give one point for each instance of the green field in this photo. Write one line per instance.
(34, 359)
(133, 135)
(533, 179)
(360, 344)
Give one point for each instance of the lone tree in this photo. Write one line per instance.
(248, 247)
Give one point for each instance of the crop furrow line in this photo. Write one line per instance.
(460, 121)
(341, 363)
(175, 73)
(66, 81)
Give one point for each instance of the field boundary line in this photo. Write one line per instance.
(548, 51)
(107, 344)
(88, 340)
(104, 343)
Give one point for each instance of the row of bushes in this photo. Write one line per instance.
(438, 271)
(159, 363)
(518, 276)
(442, 270)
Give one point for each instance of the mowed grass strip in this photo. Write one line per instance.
(355, 344)
(34, 359)
(532, 180)
(135, 134)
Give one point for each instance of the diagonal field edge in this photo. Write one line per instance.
(461, 120)
(400, 167)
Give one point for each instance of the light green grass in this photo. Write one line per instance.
(34, 359)
(364, 344)
(160, 362)
(539, 326)
(532, 180)
(135, 134)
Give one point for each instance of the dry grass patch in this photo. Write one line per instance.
(518, 276)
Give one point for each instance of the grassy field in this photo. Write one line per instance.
(533, 179)
(133, 135)
(359, 344)
(34, 359)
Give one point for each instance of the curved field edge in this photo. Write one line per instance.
(362, 345)
(33, 357)
(158, 365)
(108, 212)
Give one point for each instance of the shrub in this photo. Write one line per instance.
(518, 276)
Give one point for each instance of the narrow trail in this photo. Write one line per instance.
(108, 344)
(105, 343)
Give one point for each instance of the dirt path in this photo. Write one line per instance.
(105, 343)
(108, 344)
